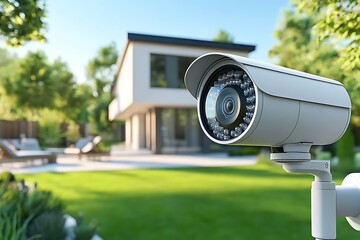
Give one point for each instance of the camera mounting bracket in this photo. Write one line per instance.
(296, 152)
(323, 196)
(327, 200)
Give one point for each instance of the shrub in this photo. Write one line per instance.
(72, 132)
(6, 177)
(50, 134)
(28, 213)
(48, 225)
(83, 231)
(12, 227)
(42, 201)
(49, 128)
(21, 207)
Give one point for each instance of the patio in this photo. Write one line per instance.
(128, 160)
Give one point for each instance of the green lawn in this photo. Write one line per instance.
(257, 202)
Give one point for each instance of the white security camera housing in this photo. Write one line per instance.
(246, 102)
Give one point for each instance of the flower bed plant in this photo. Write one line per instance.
(29, 213)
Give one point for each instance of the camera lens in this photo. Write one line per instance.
(228, 107)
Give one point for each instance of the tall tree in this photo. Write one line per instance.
(101, 72)
(7, 62)
(65, 100)
(84, 98)
(33, 86)
(337, 20)
(7, 68)
(299, 49)
(36, 84)
(22, 21)
(223, 36)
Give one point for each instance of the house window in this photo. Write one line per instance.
(179, 130)
(184, 63)
(168, 71)
(158, 71)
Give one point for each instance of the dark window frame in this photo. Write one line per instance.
(173, 70)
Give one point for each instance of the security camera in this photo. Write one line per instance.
(246, 102)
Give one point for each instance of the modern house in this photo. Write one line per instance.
(150, 95)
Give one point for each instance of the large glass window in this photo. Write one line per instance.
(158, 71)
(184, 63)
(168, 71)
(179, 130)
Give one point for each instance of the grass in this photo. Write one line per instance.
(257, 202)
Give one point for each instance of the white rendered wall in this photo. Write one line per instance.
(124, 83)
(164, 97)
(132, 88)
(128, 132)
(135, 132)
(138, 131)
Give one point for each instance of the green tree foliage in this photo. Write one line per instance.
(84, 98)
(33, 86)
(345, 150)
(101, 72)
(7, 69)
(338, 20)
(223, 36)
(49, 121)
(37, 84)
(5, 60)
(298, 48)
(65, 85)
(22, 21)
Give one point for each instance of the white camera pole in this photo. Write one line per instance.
(323, 197)
(327, 199)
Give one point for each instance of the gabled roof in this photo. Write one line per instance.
(189, 42)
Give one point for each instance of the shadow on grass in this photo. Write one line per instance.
(243, 171)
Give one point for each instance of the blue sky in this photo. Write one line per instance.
(77, 29)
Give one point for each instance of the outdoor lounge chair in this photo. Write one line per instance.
(9, 154)
(29, 144)
(24, 144)
(81, 147)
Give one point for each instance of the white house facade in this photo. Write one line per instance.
(150, 95)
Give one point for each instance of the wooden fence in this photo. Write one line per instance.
(13, 129)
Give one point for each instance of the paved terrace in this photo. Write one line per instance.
(128, 160)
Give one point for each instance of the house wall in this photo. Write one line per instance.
(128, 132)
(135, 134)
(138, 103)
(124, 88)
(133, 91)
(164, 97)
